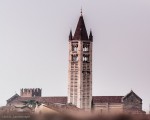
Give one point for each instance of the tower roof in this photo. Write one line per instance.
(80, 33)
(70, 35)
(91, 36)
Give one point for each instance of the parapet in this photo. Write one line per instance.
(31, 92)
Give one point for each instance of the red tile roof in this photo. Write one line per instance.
(107, 99)
(131, 92)
(63, 100)
(13, 98)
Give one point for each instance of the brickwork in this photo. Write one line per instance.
(80, 67)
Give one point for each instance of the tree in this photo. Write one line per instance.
(31, 104)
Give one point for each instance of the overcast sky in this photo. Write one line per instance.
(34, 45)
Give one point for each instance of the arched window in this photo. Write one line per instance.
(85, 58)
(74, 47)
(86, 47)
(74, 58)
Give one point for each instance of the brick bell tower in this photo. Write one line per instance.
(80, 67)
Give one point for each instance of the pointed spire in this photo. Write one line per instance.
(91, 36)
(70, 35)
(80, 33)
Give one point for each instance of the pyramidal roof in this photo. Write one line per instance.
(80, 32)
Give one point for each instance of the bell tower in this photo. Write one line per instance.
(80, 67)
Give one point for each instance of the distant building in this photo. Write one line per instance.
(31, 92)
(130, 103)
(80, 82)
(80, 67)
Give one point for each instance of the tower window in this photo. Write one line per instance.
(86, 47)
(74, 58)
(85, 58)
(74, 47)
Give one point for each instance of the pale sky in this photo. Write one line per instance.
(34, 45)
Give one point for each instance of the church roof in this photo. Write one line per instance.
(63, 99)
(13, 97)
(80, 32)
(107, 99)
(131, 92)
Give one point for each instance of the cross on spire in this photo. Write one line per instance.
(81, 11)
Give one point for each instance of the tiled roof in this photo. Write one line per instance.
(107, 99)
(131, 92)
(13, 97)
(62, 100)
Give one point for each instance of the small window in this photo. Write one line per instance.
(86, 47)
(74, 58)
(74, 47)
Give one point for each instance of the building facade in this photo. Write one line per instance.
(130, 103)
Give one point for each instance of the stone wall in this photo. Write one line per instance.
(108, 108)
(132, 104)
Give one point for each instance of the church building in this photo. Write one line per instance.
(80, 82)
